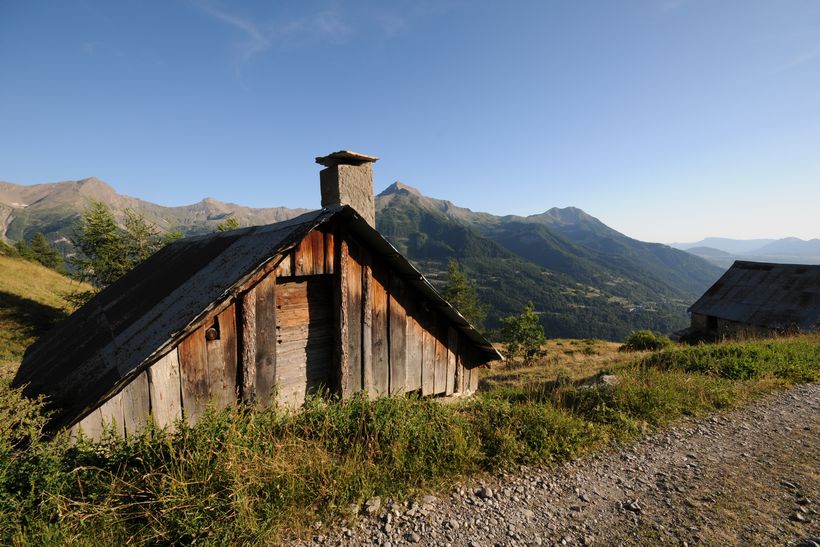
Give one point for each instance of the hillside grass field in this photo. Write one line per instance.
(248, 477)
(31, 301)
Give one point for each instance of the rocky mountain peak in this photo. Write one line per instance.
(399, 187)
(569, 215)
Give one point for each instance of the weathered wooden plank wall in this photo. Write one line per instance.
(367, 325)
(415, 348)
(136, 404)
(428, 372)
(265, 339)
(164, 389)
(452, 352)
(299, 329)
(403, 345)
(193, 368)
(221, 350)
(305, 328)
(380, 337)
(397, 335)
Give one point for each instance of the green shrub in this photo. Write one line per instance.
(645, 340)
(523, 334)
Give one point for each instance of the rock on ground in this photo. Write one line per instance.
(750, 476)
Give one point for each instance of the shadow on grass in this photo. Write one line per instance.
(32, 317)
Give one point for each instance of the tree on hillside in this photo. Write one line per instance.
(39, 250)
(102, 256)
(23, 249)
(227, 225)
(45, 254)
(462, 294)
(107, 251)
(142, 238)
(523, 334)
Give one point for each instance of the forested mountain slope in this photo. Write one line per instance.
(585, 279)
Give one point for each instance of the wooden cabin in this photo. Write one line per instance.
(759, 299)
(262, 315)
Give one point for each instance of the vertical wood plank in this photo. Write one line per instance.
(222, 360)
(302, 259)
(74, 433)
(91, 426)
(136, 405)
(164, 389)
(440, 359)
(381, 355)
(473, 380)
(285, 266)
(266, 337)
(330, 252)
(398, 336)
(309, 256)
(452, 352)
(230, 353)
(247, 328)
(341, 315)
(354, 275)
(462, 383)
(317, 241)
(428, 373)
(471, 364)
(216, 370)
(367, 327)
(193, 367)
(414, 350)
(111, 414)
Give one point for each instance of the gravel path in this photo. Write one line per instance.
(751, 476)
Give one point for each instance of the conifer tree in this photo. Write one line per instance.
(462, 294)
(227, 225)
(107, 251)
(45, 254)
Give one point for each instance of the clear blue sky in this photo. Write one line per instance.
(669, 120)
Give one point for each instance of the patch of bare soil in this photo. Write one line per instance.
(750, 476)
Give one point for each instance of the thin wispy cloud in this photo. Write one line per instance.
(260, 35)
(255, 39)
(801, 59)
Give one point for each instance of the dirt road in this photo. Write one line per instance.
(751, 476)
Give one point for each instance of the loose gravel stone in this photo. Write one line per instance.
(744, 477)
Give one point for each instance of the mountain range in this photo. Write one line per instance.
(723, 251)
(584, 278)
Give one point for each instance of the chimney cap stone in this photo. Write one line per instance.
(345, 157)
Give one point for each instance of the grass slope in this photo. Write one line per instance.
(31, 301)
(257, 477)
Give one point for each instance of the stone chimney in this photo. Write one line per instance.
(348, 180)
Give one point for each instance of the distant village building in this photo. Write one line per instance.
(759, 299)
(262, 315)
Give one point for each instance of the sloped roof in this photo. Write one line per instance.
(102, 346)
(780, 296)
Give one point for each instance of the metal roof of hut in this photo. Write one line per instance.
(778, 296)
(111, 339)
